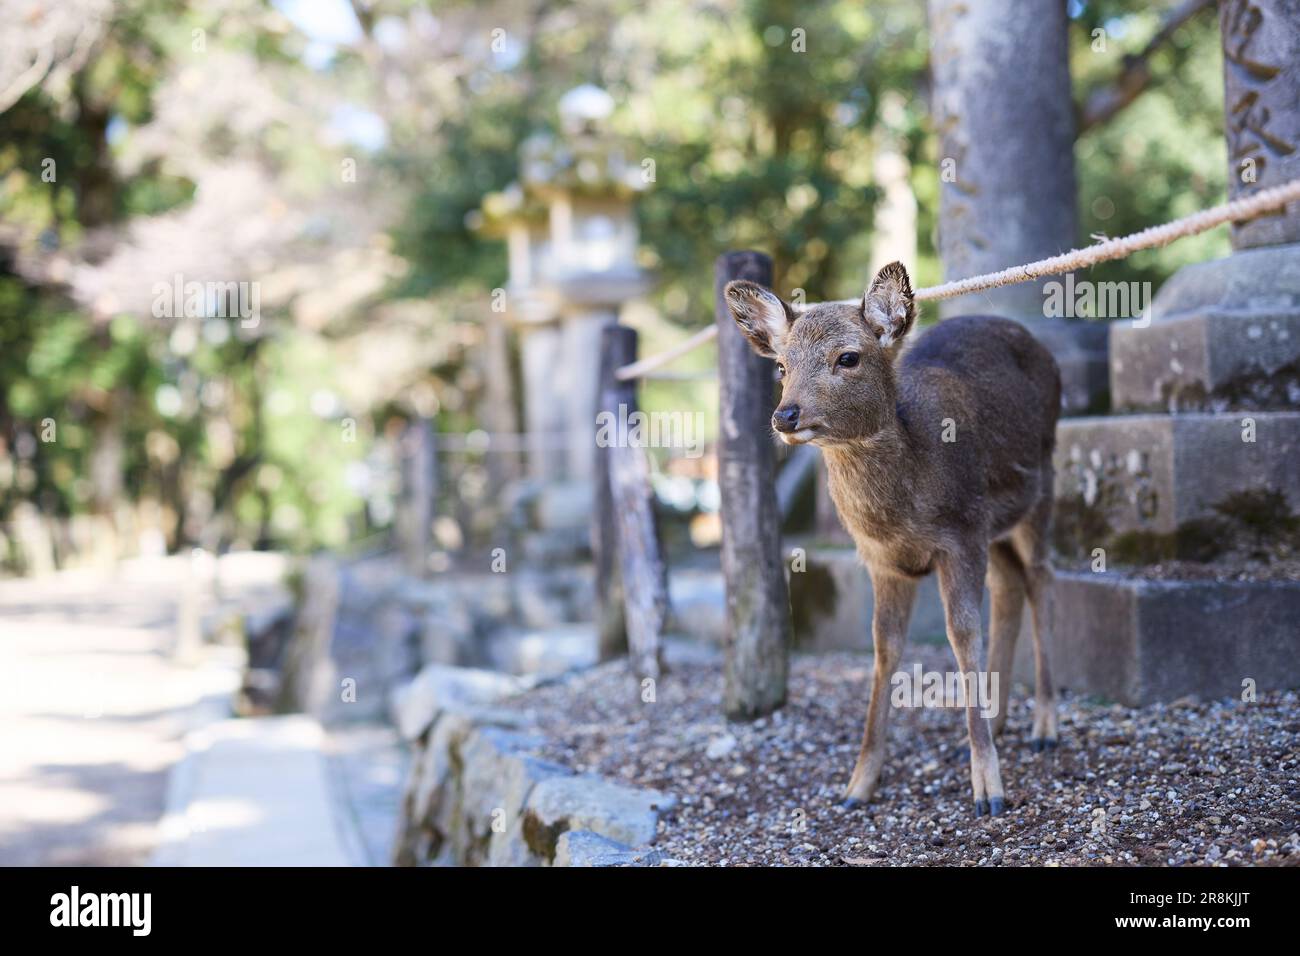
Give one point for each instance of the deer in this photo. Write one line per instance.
(938, 458)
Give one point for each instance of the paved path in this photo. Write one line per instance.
(254, 792)
(368, 768)
(94, 709)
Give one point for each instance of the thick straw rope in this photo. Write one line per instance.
(1239, 210)
(639, 368)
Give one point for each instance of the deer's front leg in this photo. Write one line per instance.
(893, 598)
(961, 583)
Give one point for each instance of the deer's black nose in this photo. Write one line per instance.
(786, 418)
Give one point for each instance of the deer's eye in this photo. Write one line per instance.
(847, 359)
(780, 370)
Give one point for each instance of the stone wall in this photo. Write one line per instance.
(478, 794)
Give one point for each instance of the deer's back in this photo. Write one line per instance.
(1001, 389)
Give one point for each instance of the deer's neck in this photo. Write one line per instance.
(873, 481)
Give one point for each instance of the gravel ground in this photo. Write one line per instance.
(1189, 783)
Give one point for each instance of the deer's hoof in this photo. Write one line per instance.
(996, 805)
(1043, 743)
(852, 803)
(981, 808)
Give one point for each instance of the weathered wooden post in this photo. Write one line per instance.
(419, 489)
(617, 348)
(624, 517)
(499, 413)
(758, 601)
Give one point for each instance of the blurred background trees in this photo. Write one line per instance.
(334, 153)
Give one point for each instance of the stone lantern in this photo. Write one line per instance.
(521, 221)
(571, 234)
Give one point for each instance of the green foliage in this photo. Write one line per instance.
(762, 119)
(1162, 157)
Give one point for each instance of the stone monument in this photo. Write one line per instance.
(1197, 485)
(571, 234)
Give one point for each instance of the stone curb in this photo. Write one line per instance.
(478, 794)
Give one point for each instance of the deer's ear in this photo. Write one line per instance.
(761, 315)
(887, 307)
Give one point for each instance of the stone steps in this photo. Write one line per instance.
(1140, 641)
(1205, 494)
(1131, 483)
(1222, 333)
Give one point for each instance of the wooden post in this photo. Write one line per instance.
(418, 492)
(499, 415)
(624, 518)
(617, 348)
(758, 602)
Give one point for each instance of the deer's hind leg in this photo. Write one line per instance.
(961, 584)
(1006, 583)
(1030, 539)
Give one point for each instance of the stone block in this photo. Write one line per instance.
(584, 848)
(1139, 641)
(437, 688)
(622, 814)
(498, 771)
(831, 603)
(1218, 335)
(1168, 477)
(545, 652)
(430, 799)
(470, 765)
(479, 795)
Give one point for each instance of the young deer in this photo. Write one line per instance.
(938, 460)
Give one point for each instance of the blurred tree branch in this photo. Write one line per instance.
(40, 42)
(1135, 78)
